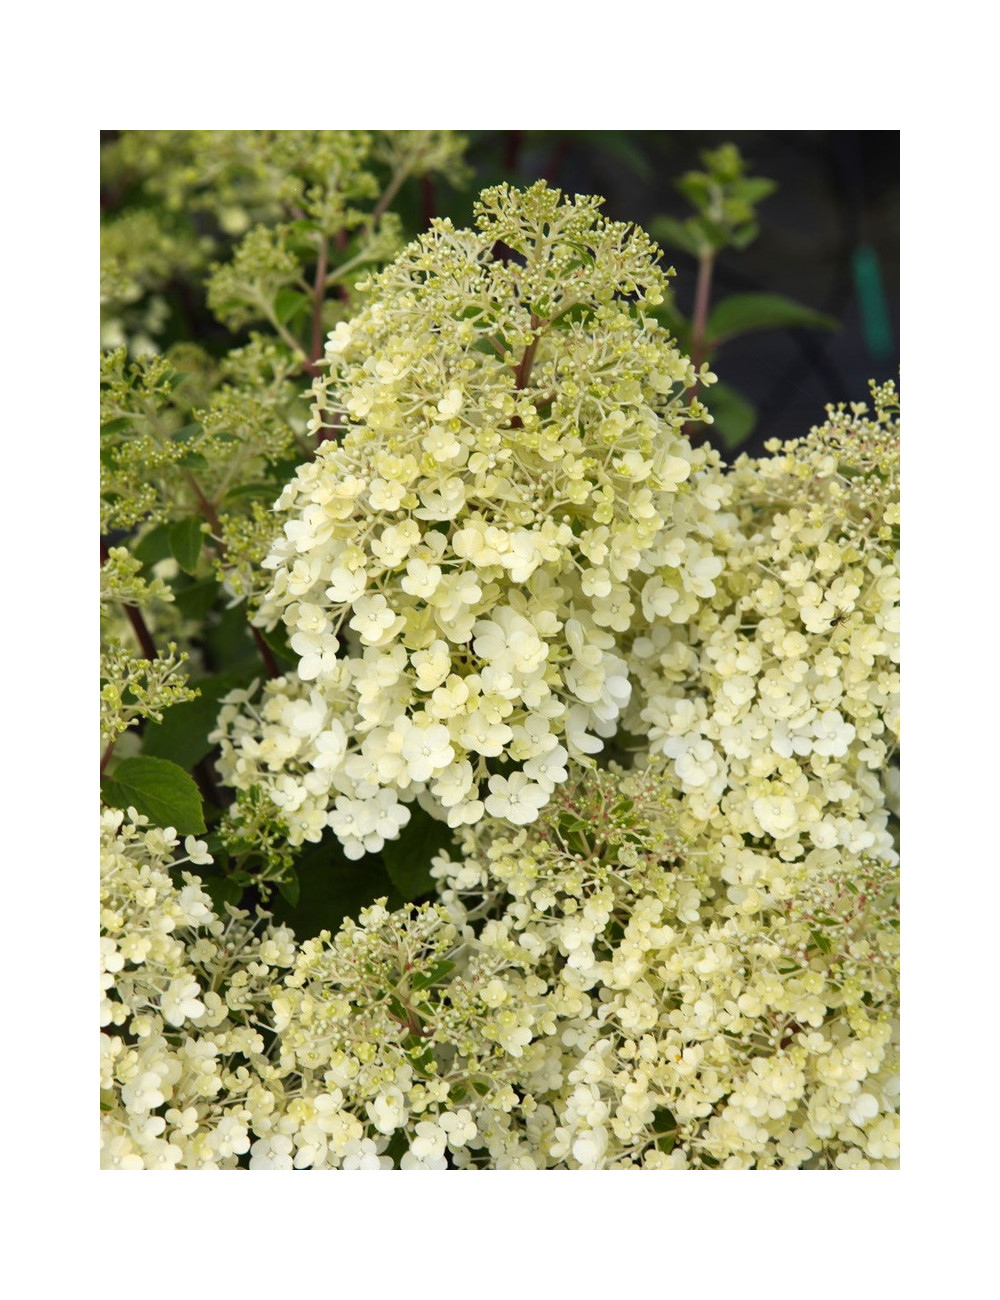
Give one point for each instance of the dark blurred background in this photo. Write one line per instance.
(829, 239)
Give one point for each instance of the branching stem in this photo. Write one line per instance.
(391, 190)
(523, 372)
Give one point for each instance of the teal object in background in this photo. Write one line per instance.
(871, 299)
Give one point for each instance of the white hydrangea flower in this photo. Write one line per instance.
(515, 799)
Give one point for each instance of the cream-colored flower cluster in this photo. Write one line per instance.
(509, 499)
(183, 1066)
(590, 993)
(672, 1027)
(225, 1044)
(777, 703)
(416, 1033)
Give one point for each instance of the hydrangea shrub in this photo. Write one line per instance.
(651, 698)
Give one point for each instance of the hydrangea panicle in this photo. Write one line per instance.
(509, 500)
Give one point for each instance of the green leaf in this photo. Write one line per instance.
(664, 1124)
(277, 641)
(186, 433)
(182, 736)
(160, 790)
(196, 600)
(753, 189)
(742, 313)
(422, 1058)
(432, 975)
(820, 940)
(408, 859)
(290, 889)
(678, 234)
(154, 546)
(185, 542)
(228, 641)
(734, 416)
(743, 236)
(330, 888)
(222, 890)
(290, 303)
(116, 426)
(396, 1007)
(697, 188)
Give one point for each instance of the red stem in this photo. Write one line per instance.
(523, 372)
(134, 616)
(702, 295)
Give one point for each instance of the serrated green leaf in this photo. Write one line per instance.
(185, 542)
(408, 859)
(742, 313)
(182, 736)
(160, 790)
